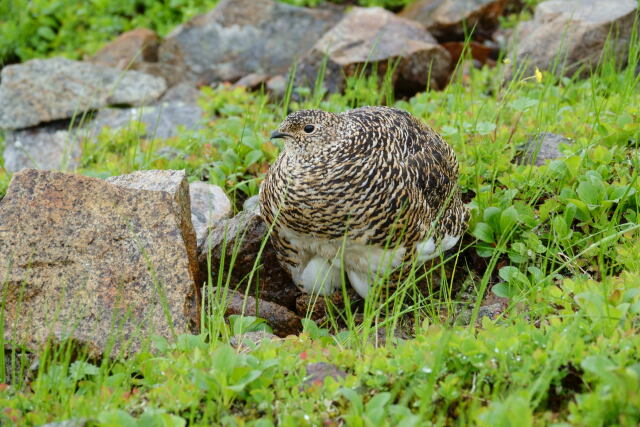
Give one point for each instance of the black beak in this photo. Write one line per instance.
(278, 134)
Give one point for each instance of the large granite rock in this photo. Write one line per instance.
(97, 262)
(173, 73)
(240, 37)
(50, 147)
(182, 92)
(569, 36)
(448, 20)
(375, 38)
(138, 50)
(169, 183)
(209, 206)
(130, 48)
(162, 120)
(43, 90)
(232, 248)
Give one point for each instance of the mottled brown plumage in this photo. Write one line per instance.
(373, 180)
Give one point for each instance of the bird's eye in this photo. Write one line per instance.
(309, 128)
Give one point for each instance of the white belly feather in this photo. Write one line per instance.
(319, 271)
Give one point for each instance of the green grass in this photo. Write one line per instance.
(559, 241)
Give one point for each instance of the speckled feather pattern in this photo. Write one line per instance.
(376, 175)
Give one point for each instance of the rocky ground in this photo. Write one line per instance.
(136, 249)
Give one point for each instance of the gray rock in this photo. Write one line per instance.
(160, 121)
(99, 263)
(184, 92)
(252, 204)
(170, 183)
(569, 36)
(251, 81)
(277, 86)
(318, 372)
(492, 311)
(50, 147)
(447, 19)
(209, 206)
(43, 90)
(282, 320)
(240, 37)
(492, 307)
(130, 48)
(172, 73)
(240, 239)
(538, 149)
(374, 37)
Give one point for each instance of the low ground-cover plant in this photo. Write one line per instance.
(559, 241)
(37, 28)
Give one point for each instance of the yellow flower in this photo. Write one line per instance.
(538, 75)
(506, 61)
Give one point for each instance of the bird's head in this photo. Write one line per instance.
(307, 129)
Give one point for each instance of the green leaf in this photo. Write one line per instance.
(570, 212)
(536, 273)
(160, 343)
(79, 369)
(559, 226)
(516, 410)
(507, 273)
(483, 232)
(502, 290)
(573, 164)
(600, 366)
(485, 128)
(188, 342)
(513, 276)
(46, 33)
(591, 192)
(253, 157)
(485, 251)
(314, 331)
(242, 324)
(378, 401)
(116, 380)
(116, 418)
(508, 219)
(523, 104)
(617, 192)
(354, 397)
(244, 381)
(558, 169)
(582, 210)
(159, 418)
(447, 130)
(624, 119)
(600, 154)
(491, 216)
